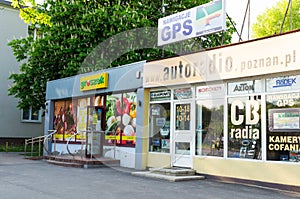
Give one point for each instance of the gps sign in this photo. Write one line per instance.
(201, 20)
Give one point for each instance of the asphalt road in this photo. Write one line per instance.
(21, 178)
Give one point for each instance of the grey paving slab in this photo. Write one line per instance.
(20, 178)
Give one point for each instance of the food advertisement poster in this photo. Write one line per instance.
(82, 117)
(121, 119)
(64, 119)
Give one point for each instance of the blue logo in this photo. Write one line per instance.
(285, 82)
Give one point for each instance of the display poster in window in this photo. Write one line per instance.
(283, 127)
(82, 105)
(64, 119)
(183, 116)
(159, 128)
(183, 93)
(121, 119)
(244, 127)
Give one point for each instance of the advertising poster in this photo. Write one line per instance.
(201, 20)
(283, 126)
(82, 105)
(64, 119)
(244, 127)
(121, 119)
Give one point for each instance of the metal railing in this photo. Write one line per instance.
(46, 141)
(87, 143)
(32, 141)
(39, 140)
(82, 143)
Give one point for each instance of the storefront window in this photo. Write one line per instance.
(159, 122)
(283, 127)
(82, 105)
(244, 127)
(121, 119)
(209, 127)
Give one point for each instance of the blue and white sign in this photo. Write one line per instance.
(201, 20)
(284, 83)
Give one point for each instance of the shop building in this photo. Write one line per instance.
(97, 112)
(231, 111)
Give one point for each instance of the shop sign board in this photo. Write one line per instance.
(210, 91)
(245, 87)
(198, 21)
(271, 55)
(93, 82)
(183, 93)
(283, 83)
(160, 95)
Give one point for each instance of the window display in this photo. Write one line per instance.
(160, 127)
(209, 127)
(244, 127)
(283, 126)
(121, 119)
(64, 119)
(82, 105)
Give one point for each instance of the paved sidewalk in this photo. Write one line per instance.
(21, 178)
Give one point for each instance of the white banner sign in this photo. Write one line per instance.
(202, 20)
(266, 56)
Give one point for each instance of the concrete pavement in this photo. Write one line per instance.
(22, 178)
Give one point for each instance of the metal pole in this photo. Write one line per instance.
(25, 147)
(92, 144)
(163, 10)
(249, 20)
(54, 145)
(291, 16)
(31, 146)
(39, 146)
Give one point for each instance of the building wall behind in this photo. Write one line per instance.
(11, 27)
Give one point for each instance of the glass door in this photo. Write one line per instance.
(95, 134)
(184, 135)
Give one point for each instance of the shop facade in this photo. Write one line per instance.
(232, 111)
(98, 108)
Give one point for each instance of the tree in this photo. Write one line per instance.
(271, 20)
(29, 12)
(72, 41)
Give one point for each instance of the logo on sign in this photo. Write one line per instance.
(284, 82)
(243, 87)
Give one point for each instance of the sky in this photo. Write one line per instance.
(236, 10)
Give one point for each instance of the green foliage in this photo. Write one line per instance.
(270, 21)
(29, 12)
(91, 35)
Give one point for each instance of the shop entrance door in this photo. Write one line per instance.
(183, 144)
(94, 134)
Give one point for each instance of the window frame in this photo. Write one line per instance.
(30, 120)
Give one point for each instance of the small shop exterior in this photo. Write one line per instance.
(232, 111)
(95, 113)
